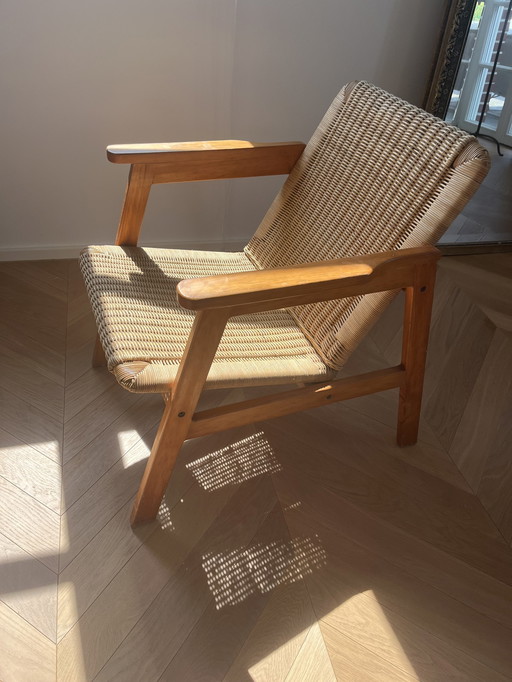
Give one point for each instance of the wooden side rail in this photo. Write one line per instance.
(255, 291)
(279, 404)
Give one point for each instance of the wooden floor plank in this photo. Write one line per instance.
(351, 661)
(438, 568)
(138, 422)
(312, 662)
(25, 654)
(30, 311)
(50, 276)
(218, 636)
(28, 587)
(30, 470)
(445, 523)
(85, 389)
(29, 524)
(187, 592)
(105, 625)
(109, 551)
(30, 385)
(30, 425)
(93, 419)
(451, 372)
(352, 569)
(44, 361)
(403, 644)
(490, 395)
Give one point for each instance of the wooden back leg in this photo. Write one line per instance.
(417, 315)
(134, 206)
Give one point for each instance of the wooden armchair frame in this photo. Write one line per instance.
(217, 298)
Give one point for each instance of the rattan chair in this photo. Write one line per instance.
(376, 186)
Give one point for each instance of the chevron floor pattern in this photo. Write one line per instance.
(304, 548)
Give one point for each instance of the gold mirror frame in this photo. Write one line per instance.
(456, 25)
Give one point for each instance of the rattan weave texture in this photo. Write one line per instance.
(144, 330)
(378, 174)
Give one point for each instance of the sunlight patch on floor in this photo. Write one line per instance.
(362, 619)
(132, 447)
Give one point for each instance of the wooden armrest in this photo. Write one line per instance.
(163, 152)
(189, 162)
(213, 160)
(286, 287)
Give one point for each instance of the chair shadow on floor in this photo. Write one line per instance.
(255, 558)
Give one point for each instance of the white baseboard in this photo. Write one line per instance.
(60, 252)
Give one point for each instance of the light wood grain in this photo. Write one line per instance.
(215, 641)
(31, 425)
(30, 524)
(30, 470)
(24, 652)
(138, 422)
(31, 385)
(438, 568)
(402, 644)
(472, 446)
(352, 569)
(28, 587)
(448, 527)
(197, 151)
(305, 283)
(283, 403)
(93, 419)
(312, 662)
(351, 661)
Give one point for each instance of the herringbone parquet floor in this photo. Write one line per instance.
(305, 548)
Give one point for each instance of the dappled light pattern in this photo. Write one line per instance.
(235, 463)
(164, 517)
(234, 576)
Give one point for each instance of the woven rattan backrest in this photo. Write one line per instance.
(378, 174)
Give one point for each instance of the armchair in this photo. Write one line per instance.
(376, 186)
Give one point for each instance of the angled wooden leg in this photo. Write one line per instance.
(173, 430)
(418, 311)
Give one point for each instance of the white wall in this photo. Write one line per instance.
(76, 77)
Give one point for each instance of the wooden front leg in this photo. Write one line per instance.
(202, 344)
(418, 312)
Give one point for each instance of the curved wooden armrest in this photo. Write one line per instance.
(259, 290)
(163, 152)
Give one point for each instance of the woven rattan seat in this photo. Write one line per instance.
(144, 330)
(365, 200)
